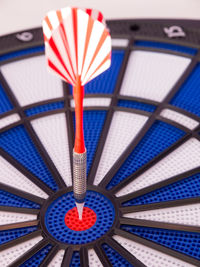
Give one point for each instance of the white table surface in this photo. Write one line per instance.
(17, 15)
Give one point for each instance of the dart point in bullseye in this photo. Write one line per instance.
(78, 49)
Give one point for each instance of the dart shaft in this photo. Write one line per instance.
(78, 93)
(79, 176)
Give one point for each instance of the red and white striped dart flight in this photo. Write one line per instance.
(78, 48)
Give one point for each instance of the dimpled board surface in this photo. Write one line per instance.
(141, 128)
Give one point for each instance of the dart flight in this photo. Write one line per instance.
(78, 49)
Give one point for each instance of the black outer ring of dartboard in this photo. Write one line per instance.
(118, 28)
(63, 191)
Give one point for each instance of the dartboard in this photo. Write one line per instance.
(142, 134)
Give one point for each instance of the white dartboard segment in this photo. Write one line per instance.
(9, 120)
(9, 255)
(119, 42)
(123, 129)
(94, 102)
(149, 256)
(57, 260)
(184, 158)
(30, 81)
(186, 215)
(52, 131)
(153, 80)
(14, 217)
(179, 118)
(94, 260)
(10, 176)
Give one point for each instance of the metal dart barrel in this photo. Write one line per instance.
(79, 179)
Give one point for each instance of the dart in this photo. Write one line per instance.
(78, 49)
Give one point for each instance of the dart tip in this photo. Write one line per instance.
(80, 209)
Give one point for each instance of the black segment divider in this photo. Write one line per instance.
(67, 257)
(24, 171)
(161, 225)
(102, 255)
(22, 194)
(20, 240)
(54, 250)
(160, 205)
(18, 225)
(19, 210)
(84, 257)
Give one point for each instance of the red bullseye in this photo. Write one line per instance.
(88, 219)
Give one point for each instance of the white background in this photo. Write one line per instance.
(16, 15)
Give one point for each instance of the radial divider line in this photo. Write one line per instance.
(124, 253)
(106, 126)
(108, 177)
(67, 257)
(158, 247)
(31, 252)
(146, 166)
(42, 151)
(160, 205)
(26, 172)
(69, 123)
(19, 210)
(22, 194)
(20, 240)
(161, 225)
(84, 257)
(50, 256)
(18, 225)
(158, 185)
(102, 255)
